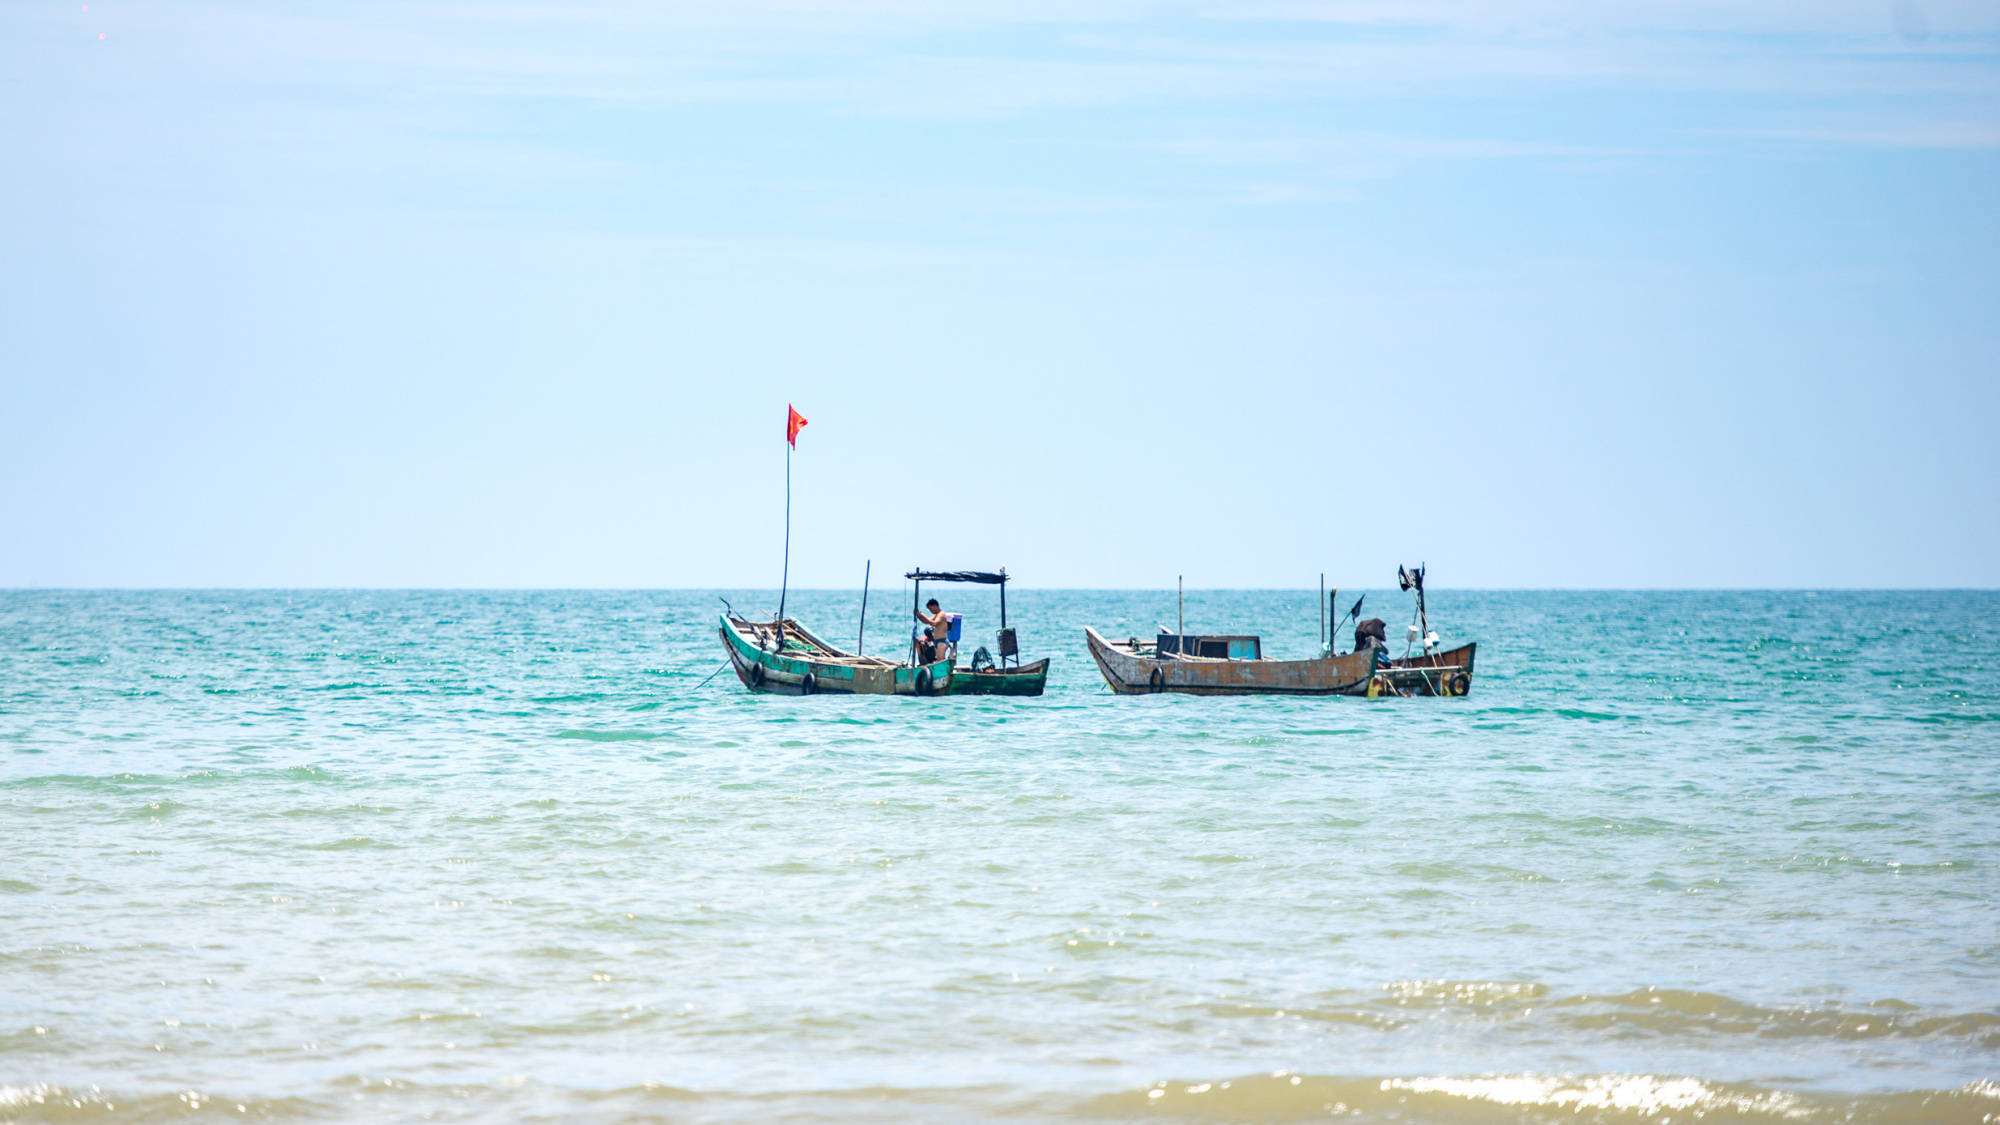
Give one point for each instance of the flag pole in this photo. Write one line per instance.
(785, 580)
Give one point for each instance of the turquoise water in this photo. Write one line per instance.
(506, 856)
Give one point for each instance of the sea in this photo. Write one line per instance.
(1718, 856)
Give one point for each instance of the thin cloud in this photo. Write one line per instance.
(1313, 150)
(904, 58)
(1909, 134)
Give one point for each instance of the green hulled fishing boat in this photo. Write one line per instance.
(792, 661)
(1026, 679)
(984, 673)
(782, 657)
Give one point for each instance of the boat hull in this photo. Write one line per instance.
(1028, 679)
(822, 670)
(1131, 673)
(1439, 673)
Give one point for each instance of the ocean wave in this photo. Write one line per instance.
(1279, 1096)
(613, 735)
(1531, 1098)
(1664, 1012)
(43, 1102)
(1669, 1011)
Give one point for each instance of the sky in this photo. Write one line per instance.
(1544, 293)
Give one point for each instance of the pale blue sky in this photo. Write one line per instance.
(1542, 292)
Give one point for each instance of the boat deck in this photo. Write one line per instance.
(801, 643)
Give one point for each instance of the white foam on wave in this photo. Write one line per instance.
(44, 1094)
(1643, 1094)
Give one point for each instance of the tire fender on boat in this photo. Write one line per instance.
(809, 685)
(1157, 682)
(1460, 683)
(923, 682)
(755, 674)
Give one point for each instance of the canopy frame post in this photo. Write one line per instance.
(1003, 614)
(916, 603)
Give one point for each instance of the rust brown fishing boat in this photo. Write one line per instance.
(1197, 664)
(1234, 664)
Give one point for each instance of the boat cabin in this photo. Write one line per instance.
(1213, 646)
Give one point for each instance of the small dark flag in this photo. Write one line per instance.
(794, 422)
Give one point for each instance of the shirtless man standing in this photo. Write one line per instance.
(940, 624)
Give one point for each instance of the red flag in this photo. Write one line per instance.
(794, 422)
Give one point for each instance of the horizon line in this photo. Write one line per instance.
(1053, 589)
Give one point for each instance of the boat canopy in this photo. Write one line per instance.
(1008, 645)
(983, 577)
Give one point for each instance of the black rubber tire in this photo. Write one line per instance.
(923, 683)
(1460, 684)
(755, 675)
(1157, 682)
(809, 685)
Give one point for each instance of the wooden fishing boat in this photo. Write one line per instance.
(1235, 665)
(985, 674)
(1025, 679)
(1437, 673)
(806, 665)
(1430, 670)
(1222, 665)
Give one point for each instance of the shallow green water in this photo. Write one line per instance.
(505, 856)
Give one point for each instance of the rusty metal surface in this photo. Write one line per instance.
(1130, 673)
(1432, 673)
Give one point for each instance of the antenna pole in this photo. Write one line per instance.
(863, 630)
(1322, 612)
(1423, 612)
(1180, 614)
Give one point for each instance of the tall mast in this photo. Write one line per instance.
(863, 630)
(785, 581)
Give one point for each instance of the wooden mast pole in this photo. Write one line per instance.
(863, 630)
(785, 580)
